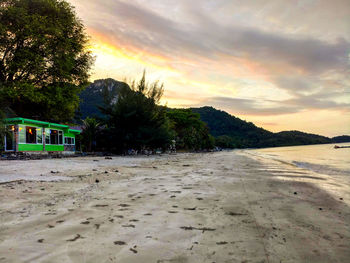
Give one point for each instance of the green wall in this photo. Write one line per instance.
(30, 147)
(54, 148)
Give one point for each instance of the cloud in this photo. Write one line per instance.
(135, 25)
(247, 57)
(272, 107)
(248, 106)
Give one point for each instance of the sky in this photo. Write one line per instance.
(282, 64)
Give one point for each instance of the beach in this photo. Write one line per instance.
(225, 206)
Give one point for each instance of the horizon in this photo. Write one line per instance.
(282, 66)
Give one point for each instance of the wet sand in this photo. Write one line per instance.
(214, 207)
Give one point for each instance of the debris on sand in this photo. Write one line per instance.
(221, 243)
(190, 208)
(133, 249)
(97, 181)
(197, 228)
(41, 240)
(77, 236)
(85, 223)
(108, 158)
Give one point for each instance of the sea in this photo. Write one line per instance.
(320, 164)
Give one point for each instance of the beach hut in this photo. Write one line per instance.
(27, 135)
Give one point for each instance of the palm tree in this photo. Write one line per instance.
(91, 127)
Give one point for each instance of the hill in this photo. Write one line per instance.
(231, 131)
(96, 94)
(340, 139)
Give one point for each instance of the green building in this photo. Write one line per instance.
(26, 135)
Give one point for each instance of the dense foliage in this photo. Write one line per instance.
(43, 58)
(135, 120)
(91, 131)
(191, 133)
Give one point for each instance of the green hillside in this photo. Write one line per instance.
(232, 132)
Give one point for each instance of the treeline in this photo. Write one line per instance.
(132, 118)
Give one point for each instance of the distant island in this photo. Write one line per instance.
(229, 131)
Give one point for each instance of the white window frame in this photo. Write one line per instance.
(24, 126)
(48, 130)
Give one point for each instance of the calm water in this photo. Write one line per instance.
(322, 159)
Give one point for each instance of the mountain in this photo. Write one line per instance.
(96, 95)
(231, 131)
(342, 138)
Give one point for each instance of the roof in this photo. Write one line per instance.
(19, 120)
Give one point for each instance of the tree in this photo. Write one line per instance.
(91, 128)
(44, 61)
(135, 120)
(191, 132)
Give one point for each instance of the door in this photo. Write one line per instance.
(10, 140)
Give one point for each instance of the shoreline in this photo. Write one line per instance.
(203, 207)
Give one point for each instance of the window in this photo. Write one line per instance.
(60, 137)
(53, 137)
(69, 141)
(39, 135)
(47, 136)
(22, 133)
(30, 134)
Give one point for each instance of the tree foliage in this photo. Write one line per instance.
(135, 120)
(91, 130)
(191, 132)
(43, 58)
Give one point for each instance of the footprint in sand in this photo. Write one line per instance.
(130, 225)
(120, 243)
(221, 243)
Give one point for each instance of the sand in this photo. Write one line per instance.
(213, 207)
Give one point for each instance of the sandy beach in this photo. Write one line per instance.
(210, 207)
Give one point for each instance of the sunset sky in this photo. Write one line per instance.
(284, 65)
